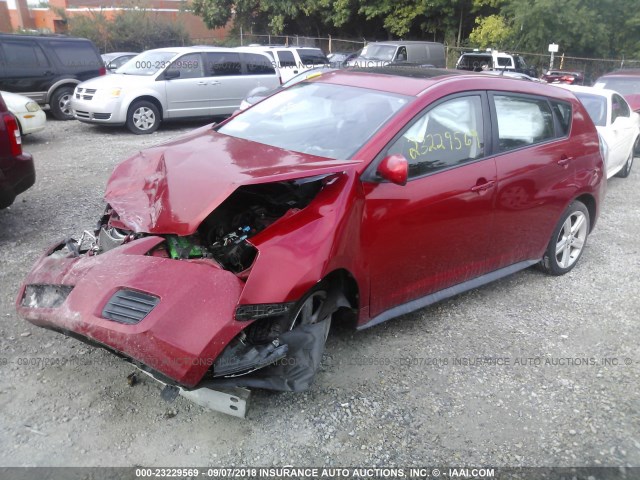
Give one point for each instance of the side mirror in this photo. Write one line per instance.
(171, 74)
(111, 66)
(394, 168)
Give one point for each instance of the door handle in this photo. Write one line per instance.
(202, 83)
(484, 186)
(215, 82)
(564, 161)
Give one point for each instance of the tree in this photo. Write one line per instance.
(129, 30)
(491, 31)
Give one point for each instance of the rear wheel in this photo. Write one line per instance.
(143, 117)
(567, 241)
(61, 103)
(626, 170)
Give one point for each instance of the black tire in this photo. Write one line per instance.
(143, 117)
(567, 240)
(309, 309)
(61, 103)
(626, 170)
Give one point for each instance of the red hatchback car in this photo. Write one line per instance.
(223, 255)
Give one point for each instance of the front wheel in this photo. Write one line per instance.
(61, 103)
(567, 241)
(143, 117)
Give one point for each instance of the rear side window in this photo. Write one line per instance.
(222, 64)
(258, 64)
(24, 54)
(619, 108)
(522, 121)
(76, 54)
(563, 114)
(286, 59)
(316, 57)
(447, 135)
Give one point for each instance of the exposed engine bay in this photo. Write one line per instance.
(223, 236)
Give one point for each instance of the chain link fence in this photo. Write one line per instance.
(327, 44)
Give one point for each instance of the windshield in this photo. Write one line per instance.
(596, 106)
(331, 121)
(623, 85)
(147, 63)
(379, 52)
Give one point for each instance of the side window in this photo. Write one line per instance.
(522, 121)
(23, 54)
(563, 114)
(619, 108)
(189, 66)
(286, 59)
(312, 56)
(258, 64)
(401, 55)
(76, 54)
(221, 64)
(447, 135)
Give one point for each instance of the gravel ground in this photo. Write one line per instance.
(369, 405)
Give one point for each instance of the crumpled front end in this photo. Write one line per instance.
(175, 317)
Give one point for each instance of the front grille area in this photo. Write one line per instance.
(92, 116)
(85, 93)
(129, 307)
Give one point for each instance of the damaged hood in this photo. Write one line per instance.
(171, 188)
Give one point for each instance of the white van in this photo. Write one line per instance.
(292, 60)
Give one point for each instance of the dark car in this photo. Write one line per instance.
(17, 172)
(224, 255)
(625, 82)
(561, 76)
(114, 60)
(47, 68)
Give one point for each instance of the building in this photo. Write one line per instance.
(49, 20)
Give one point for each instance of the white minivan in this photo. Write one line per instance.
(171, 83)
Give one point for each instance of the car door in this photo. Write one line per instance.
(189, 94)
(26, 69)
(228, 84)
(536, 173)
(623, 134)
(435, 231)
(287, 64)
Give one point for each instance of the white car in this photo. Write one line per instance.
(30, 116)
(616, 123)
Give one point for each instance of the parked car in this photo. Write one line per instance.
(47, 68)
(172, 83)
(625, 82)
(17, 172)
(260, 93)
(378, 54)
(30, 117)
(291, 61)
(616, 123)
(560, 76)
(369, 194)
(341, 59)
(113, 61)
(478, 61)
